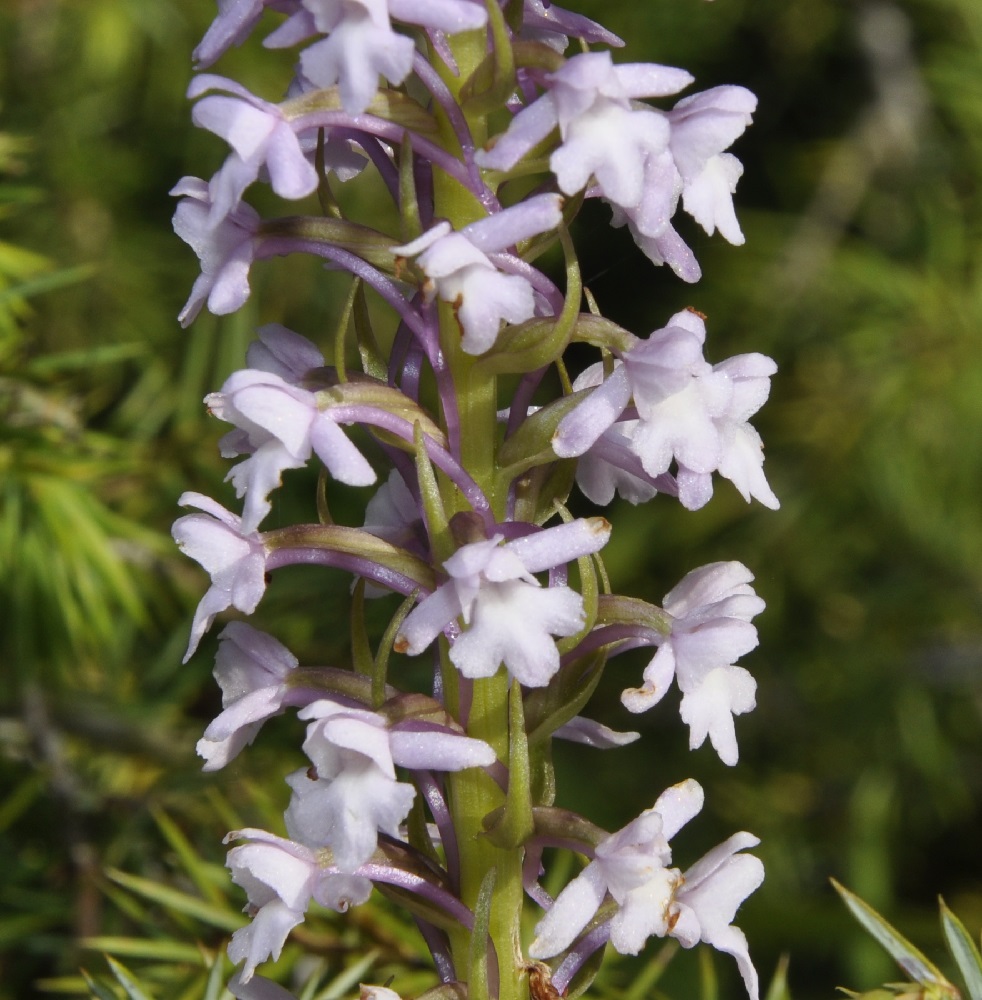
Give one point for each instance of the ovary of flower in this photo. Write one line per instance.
(253, 671)
(282, 426)
(352, 793)
(259, 136)
(280, 878)
(234, 558)
(225, 249)
(509, 617)
(460, 271)
(633, 866)
(711, 610)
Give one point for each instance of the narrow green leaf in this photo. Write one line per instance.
(46, 283)
(98, 989)
(380, 668)
(515, 824)
(215, 984)
(148, 948)
(478, 959)
(216, 916)
(372, 358)
(913, 962)
(778, 987)
(708, 980)
(434, 513)
(192, 863)
(345, 981)
(126, 979)
(361, 648)
(411, 224)
(964, 951)
(341, 330)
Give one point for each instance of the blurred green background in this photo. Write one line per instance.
(861, 276)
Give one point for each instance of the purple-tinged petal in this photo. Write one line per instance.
(284, 353)
(594, 734)
(436, 751)
(512, 225)
(570, 913)
(527, 129)
(542, 550)
(582, 427)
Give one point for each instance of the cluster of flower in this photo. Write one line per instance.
(458, 527)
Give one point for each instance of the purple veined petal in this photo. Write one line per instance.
(236, 727)
(451, 16)
(283, 872)
(560, 544)
(235, 20)
(425, 241)
(552, 18)
(516, 629)
(708, 710)
(343, 460)
(651, 79)
(706, 585)
(742, 463)
(527, 129)
(291, 175)
(283, 411)
(438, 751)
(519, 222)
(643, 912)
(713, 860)
(658, 676)
(355, 734)
(428, 619)
(594, 734)
(570, 913)
(678, 804)
(204, 82)
(580, 429)
(282, 352)
(263, 938)
(669, 248)
(708, 198)
(241, 124)
(295, 29)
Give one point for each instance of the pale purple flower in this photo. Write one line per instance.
(741, 449)
(280, 878)
(610, 465)
(603, 134)
(711, 892)
(656, 900)
(595, 734)
(281, 426)
(509, 617)
(711, 612)
(361, 45)
(284, 353)
(232, 26)
(234, 558)
(703, 126)
(634, 866)
(253, 671)
(260, 136)
(689, 412)
(351, 793)
(226, 249)
(553, 25)
(461, 272)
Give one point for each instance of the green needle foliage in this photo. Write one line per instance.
(862, 276)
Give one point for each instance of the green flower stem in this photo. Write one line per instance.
(473, 794)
